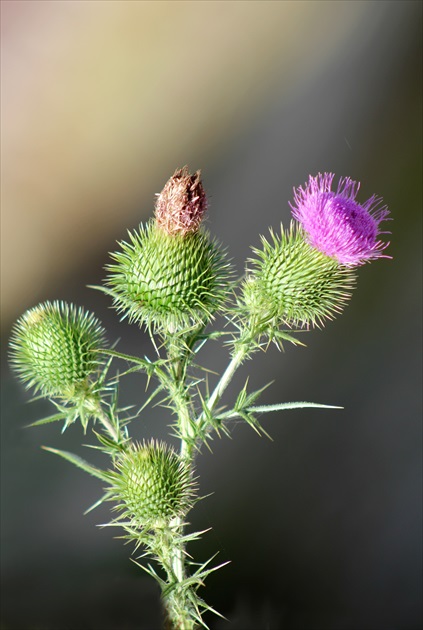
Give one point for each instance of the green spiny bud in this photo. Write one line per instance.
(54, 347)
(293, 283)
(168, 281)
(153, 484)
(171, 274)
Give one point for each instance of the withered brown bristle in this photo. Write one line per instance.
(181, 205)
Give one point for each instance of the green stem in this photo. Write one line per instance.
(178, 604)
(177, 599)
(177, 560)
(227, 376)
(101, 416)
(108, 426)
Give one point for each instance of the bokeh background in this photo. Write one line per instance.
(101, 101)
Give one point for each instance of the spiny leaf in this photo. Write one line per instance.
(106, 497)
(150, 398)
(290, 405)
(202, 572)
(283, 335)
(234, 413)
(151, 572)
(145, 364)
(79, 462)
(244, 400)
(203, 338)
(109, 446)
(193, 536)
(54, 418)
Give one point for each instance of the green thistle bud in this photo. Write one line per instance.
(54, 347)
(294, 283)
(171, 274)
(153, 484)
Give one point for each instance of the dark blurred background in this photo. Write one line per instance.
(101, 101)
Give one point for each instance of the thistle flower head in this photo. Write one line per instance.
(54, 347)
(292, 283)
(152, 484)
(181, 205)
(336, 224)
(168, 282)
(171, 275)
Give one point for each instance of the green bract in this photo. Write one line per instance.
(293, 283)
(168, 281)
(153, 484)
(54, 348)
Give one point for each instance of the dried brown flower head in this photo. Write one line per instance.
(181, 205)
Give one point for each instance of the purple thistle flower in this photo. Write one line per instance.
(336, 224)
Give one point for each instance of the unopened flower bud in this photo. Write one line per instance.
(152, 484)
(181, 205)
(54, 349)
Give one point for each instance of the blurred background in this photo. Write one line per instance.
(101, 101)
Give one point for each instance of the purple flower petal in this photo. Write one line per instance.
(336, 224)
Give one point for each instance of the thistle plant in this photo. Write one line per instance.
(171, 277)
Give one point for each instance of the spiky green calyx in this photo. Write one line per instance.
(54, 348)
(290, 282)
(152, 484)
(168, 281)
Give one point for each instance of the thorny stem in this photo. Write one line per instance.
(243, 347)
(102, 417)
(226, 377)
(188, 432)
(178, 560)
